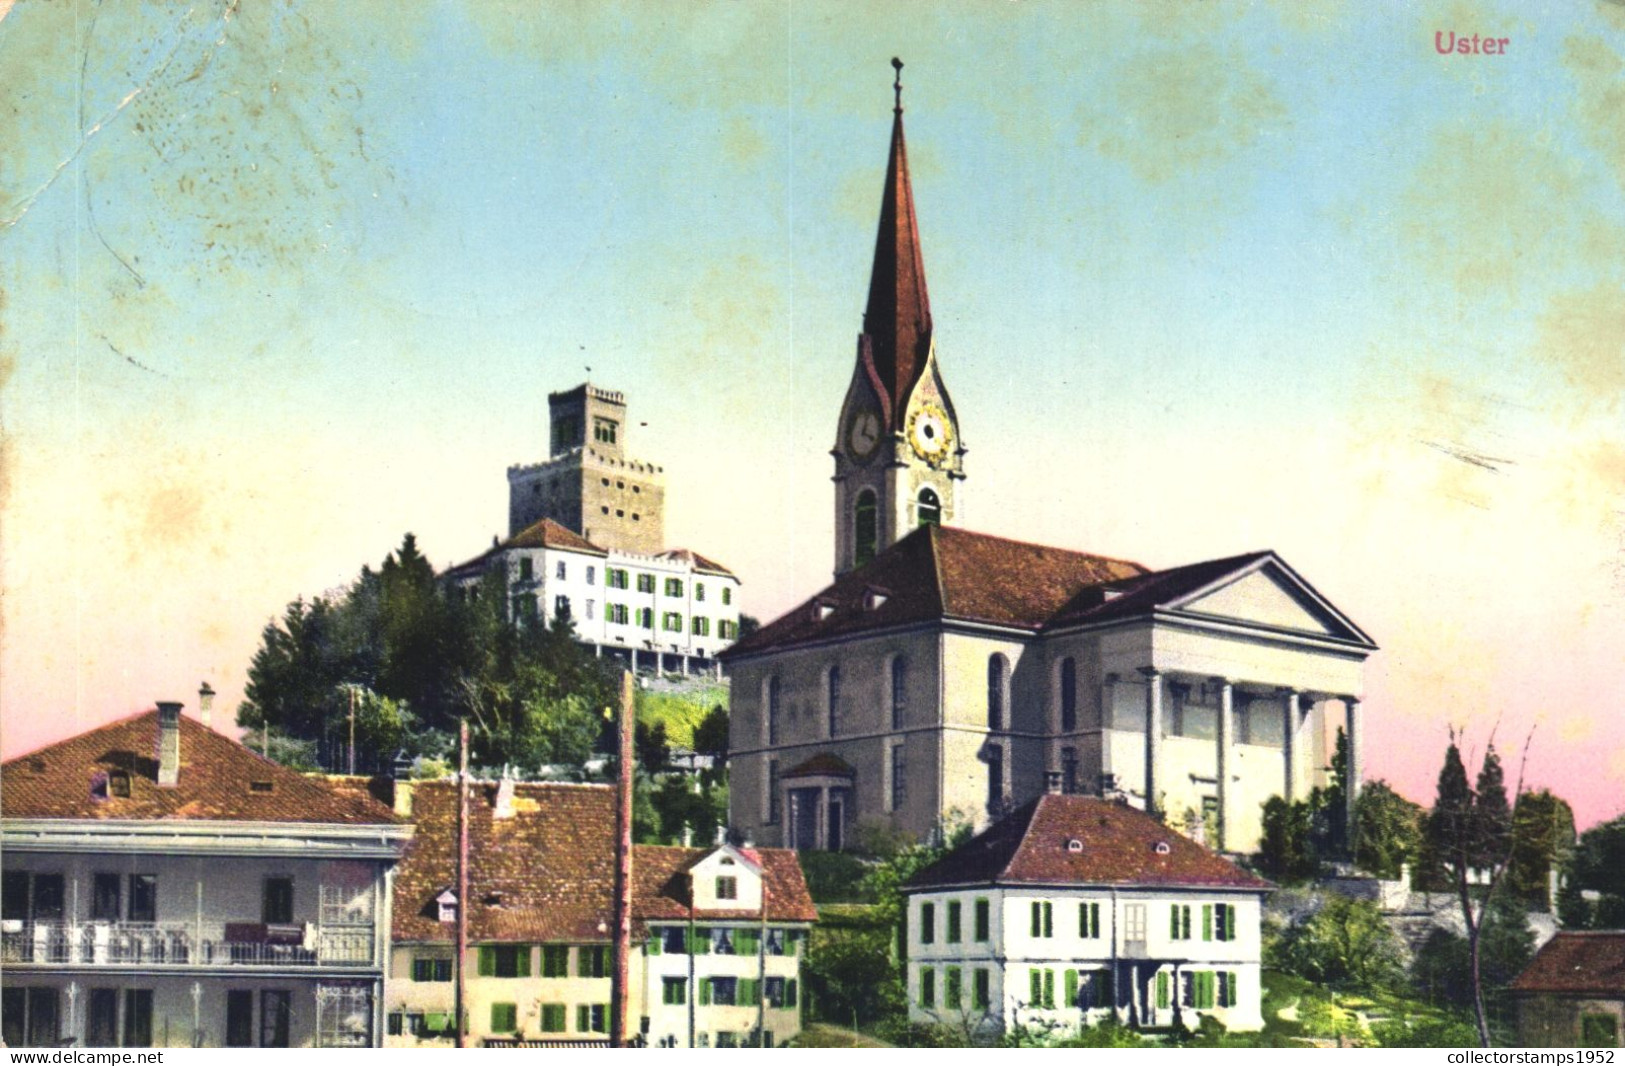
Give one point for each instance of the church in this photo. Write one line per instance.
(949, 676)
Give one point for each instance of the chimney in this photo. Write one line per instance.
(504, 804)
(205, 705)
(400, 787)
(169, 743)
(1052, 782)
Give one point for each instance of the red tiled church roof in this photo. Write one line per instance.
(543, 534)
(1587, 962)
(216, 773)
(1119, 846)
(552, 865)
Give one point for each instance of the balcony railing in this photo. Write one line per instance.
(184, 944)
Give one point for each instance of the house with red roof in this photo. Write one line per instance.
(166, 887)
(1074, 909)
(1572, 993)
(718, 933)
(943, 673)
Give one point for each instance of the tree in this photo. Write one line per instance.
(1345, 945)
(1542, 841)
(1598, 859)
(1286, 849)
(1390, 833)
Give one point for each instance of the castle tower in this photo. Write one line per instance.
(589, 484)
(898, 453)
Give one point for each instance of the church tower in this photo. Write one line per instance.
(898, 453)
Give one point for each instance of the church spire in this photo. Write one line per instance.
(897, 319)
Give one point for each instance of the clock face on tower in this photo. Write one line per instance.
(928, 433)
(863, 434)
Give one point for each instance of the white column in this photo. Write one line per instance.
(634, 660)
(1226, 738)
(1153, 736)
(1351, 787)
(1289, 743)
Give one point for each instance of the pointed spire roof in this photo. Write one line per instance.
(897, 319)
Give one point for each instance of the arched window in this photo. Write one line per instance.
(773, 709)
(929, 508)
(995, 779)
(997, 671)
(899, 690)
(834, 698)
(865, 530)
(1069, 695)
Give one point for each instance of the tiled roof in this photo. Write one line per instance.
(1581, 962)
(941, 572)
(214, 782)
(553, 864)
(544, 534)
(1142, 594)
(697, 561)
(1119, 847)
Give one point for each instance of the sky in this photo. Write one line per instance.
(283, 281)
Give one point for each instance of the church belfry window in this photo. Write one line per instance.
(929, 508)
(834, 700)
(899, 691)
(603, 430)
(997, 673)
(1069, 694)
(865, 531)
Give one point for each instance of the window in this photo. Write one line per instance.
(239, 1018)
(1069, 770)
(603, 430)
(276, 1008)
(899, 778)
(592, 574)
(674, 586)
(525, 571)
(101, 1019)
(1043, 918)
(592, 608)
(505, 960)
(1179, 922)
(592, 1018)
(899, 691)
(276, 904)
(928, 987)
(560, 571)
(646, 617)
(1069, 696)
(929, 508)
(431, 969)
(832, 698)
(1599, 1030)
(592, 961)
(504, 1017)
(672, 622)
(701, 627)
(983, 913)
(699, 592)
(995, 778)
(674, 991)
(138, 1018)
(106, 899)
(773, 709)
(928, 923)
(1226, 989)
(727, 596)
(614, 578)
(674, 940)
(1219, 920)
(1041, 987)
(864, 528)
(565, 432)
(1134, 922)
(953, 921)
(555, 960)
(727, 888)
(1199, 989)
(724, 991)
(552, 1017)
(118, 783)
(772, 791)
(982, 997)
(1089, 921)
(646, 582)
(997, 668)
(561, 607)
(615, 612)
(951, 978)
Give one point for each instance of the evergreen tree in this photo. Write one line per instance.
(1492, 815)
(1390, 833)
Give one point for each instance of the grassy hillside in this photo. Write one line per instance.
(681, 711)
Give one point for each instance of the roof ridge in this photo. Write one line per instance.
(124, 720)
(964, 532)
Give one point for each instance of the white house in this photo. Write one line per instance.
(1074, 908)
(669, 611)
(166, 887)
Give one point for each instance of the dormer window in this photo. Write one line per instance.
(874, 599)
(98, 785)
(118, 784)
(261, 787)
(822, 611)
(1162, 847)
(1075, 846)
(446, 906)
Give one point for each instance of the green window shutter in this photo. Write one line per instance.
(705, 991)
(1234, 989)
(487, 962)
(654, 944)
(1094, 920)
(1173, 922)
(524, 960)
(1037, 920)
(1162, 990)
(1049, 988)
(1049, 919)
(1035, 986)
(749, 942)
(790, 992)
(1207, 921)
(983, 913)
(1071, 988)
(584, 962)
(582, 1020)
(1185, 925)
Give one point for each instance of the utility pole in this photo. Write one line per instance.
(461, 959)
(619, 990)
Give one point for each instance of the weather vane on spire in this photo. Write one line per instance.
(897, 86)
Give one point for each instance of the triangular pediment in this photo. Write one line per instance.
(1269, 594)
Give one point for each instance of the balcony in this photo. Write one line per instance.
(185, 944)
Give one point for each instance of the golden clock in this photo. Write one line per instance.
(928, 432)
